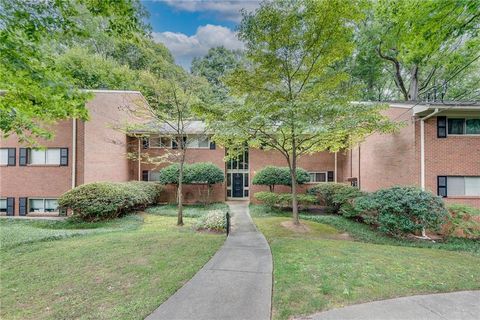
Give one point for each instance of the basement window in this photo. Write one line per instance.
(42, 205)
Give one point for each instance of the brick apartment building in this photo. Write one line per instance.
(438, 149)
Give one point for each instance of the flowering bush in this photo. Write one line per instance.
(214, 220)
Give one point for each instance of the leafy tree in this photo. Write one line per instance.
(427, 46)
(291, 96)
(216, 64)
(33, 34)
(271, 176)
(172, 100)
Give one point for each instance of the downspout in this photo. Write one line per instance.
(422, 147)
(139, 162)
(335, 172)
(422, 156)
(74, 152)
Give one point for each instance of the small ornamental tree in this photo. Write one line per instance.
(271, 176)
(205, 173)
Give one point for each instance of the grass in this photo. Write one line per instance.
(314, 271)
(100, 275)
(14, 232)
(364, 233)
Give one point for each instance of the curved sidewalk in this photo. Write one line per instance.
(235, 284)
(463, 305)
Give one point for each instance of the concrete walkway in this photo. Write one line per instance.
(463, 305)
(235, 284)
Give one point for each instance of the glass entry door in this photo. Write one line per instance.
(237, 177)
(237, 187)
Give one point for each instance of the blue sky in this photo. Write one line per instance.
(190, 27)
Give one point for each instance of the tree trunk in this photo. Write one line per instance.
(293, 174)
(413, 88)
(180, 185)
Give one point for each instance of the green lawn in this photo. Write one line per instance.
(316, 271)
(118, 270)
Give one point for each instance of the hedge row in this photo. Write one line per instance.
(200, 172)
(108, 200)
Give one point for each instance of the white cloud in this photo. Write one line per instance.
(184, 48)
(222, 9)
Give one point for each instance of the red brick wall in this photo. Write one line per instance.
(105, 157)
(45, 181)
(385, 160)
(454, 155)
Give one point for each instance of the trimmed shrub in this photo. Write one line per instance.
(283, 200)
(337, 197)
(108, 200)
(401, 210)
(462, 221)
(271, 176)
(214, 220)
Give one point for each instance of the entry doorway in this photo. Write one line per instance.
(237, 177)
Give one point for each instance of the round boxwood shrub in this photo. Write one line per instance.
(283, 200)
(402, 210)
(271, 176)
(337, 197)
(108, 200)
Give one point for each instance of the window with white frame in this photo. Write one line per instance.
(318, 177)
(458, 186)
(3, 204)
(202, 142)
(42, 205)
(160, 142)
(3, 156)
(44, 156)
(463, 126)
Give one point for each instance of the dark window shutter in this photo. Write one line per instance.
(64, 156)
(442, 186)
(22, 206)
(442, 127)
(10, 206)
(330, 176)
(146, 143)
(144, 175)
(12, 157)
(212, 145)
(23, 157)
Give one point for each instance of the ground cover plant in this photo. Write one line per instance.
(320, 267)
(108, 275)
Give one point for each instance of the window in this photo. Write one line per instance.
(318, 176)
(458, 186)
(463, 126)
(198, 142)
(3, 204)
(43, 205)
(160, 142)
(3, 156)
(47, 156)
(154, 176)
